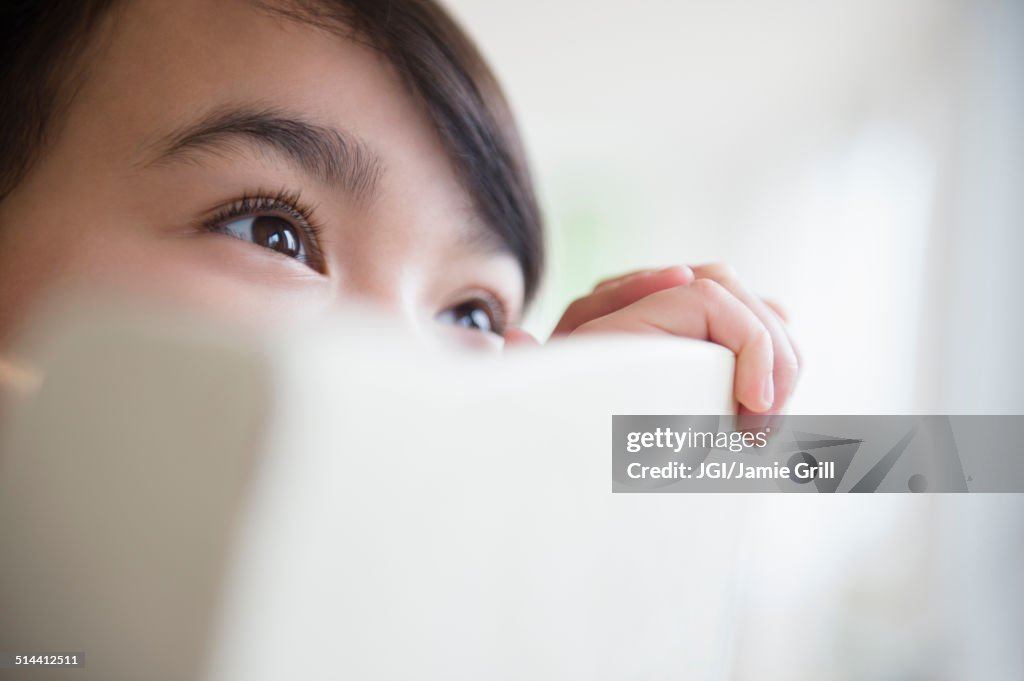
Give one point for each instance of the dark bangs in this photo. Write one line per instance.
(444, 70)
(41, 42)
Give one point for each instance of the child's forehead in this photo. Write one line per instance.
(165, 63)
(187, 26)
(172, 92)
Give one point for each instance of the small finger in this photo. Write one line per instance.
(619, 293)
(630, 276)
(706, 310)
(786, 367)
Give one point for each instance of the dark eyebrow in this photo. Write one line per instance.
(328, 154)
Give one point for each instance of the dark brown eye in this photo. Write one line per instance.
(478, 315)
(277, 234)
(271, 232)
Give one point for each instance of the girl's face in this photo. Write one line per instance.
(252, 167)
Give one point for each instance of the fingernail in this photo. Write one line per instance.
(681, 269)
(768, 390)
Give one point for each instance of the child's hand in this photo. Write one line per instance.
(706, 302)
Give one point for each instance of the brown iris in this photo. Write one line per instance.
(277, 234)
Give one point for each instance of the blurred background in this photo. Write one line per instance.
(860, 161)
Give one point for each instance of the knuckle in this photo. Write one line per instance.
(576, 304)
(757, 341)
(721, 270)
(709, 288)
(609, 281)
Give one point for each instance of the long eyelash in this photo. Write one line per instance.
(284, 201)
(496, 308)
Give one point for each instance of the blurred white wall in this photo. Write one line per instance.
(885, 587)
(860, 161)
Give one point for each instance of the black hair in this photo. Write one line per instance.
(43, 42)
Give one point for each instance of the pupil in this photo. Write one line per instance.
(276, 234)
(473, 318)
